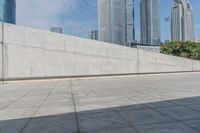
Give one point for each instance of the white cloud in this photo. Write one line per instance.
(41, 13)
(44, 14)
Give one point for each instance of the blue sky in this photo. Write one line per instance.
(78, 17)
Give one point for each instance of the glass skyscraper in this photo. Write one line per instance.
(182, 25)
(150, 22)
(56, 29)
(93, 35)
(8, 11)
(116, 21)
(130, 27)
(112, 24)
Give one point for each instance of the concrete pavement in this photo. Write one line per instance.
(167, 103)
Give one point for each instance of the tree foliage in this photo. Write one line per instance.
(183, 49)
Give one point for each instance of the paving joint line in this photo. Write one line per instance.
(74, 106)
(163, 114)
(176, 120)
(177, 104)
(167, 101)
(133, 125)
(14, 101)
(179, 121)
(130, 124)
(21, 131)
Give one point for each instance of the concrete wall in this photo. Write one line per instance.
(33, 53)
(1, 52)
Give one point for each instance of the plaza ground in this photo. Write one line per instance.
(165, 103)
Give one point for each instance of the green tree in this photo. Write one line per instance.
(183, 49)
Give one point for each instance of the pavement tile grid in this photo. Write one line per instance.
(167, 103)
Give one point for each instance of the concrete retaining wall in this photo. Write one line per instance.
(33, 53)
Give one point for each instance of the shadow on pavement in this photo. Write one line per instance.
(173, 116)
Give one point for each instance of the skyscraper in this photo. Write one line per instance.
(93, 35)
(112, 27)
(56, 30)
(130, 28)
(150, 22)
(8, 11)
(182, 27)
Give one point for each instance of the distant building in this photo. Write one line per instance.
(130, 27)
(182, 27)
(167, 41)
(150, 22)
(155, 49)
(8, 11)
(56, 29)
(116, 21)
(112, 24)
(93, 35)
(197, 40)
(146, 47)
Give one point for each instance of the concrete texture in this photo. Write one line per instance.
(167, 103)
(32, 53)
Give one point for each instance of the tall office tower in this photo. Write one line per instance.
(150, 22)
(182, 26)
(130, 27)
(93, 35)
(56, 30)
(112, 21)
(8, 11)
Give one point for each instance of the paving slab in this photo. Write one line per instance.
(145, 116)
(194, 123)
(179, 112)
(166, 128)
(100, 120)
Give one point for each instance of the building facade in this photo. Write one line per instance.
(130, 27)
(93, 35)
(197, 40)
(112, 27)
(150, 22)
(182, 26)
(8, 11)
(56, 30)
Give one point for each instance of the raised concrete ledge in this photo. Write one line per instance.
(82, 77)
(28, 53)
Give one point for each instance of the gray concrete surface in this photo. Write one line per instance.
(166, 103)
(32, 53)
